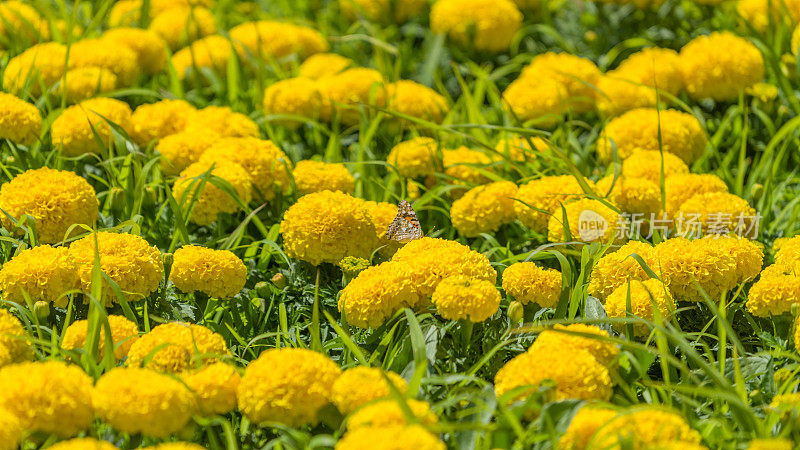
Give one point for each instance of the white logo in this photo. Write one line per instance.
(591, 225)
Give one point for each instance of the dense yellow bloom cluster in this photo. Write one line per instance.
(41, 273)
(643, 296)
(617, 94)
(587, 220)
(316, 176)
(222, 120)
(83, 83)
(777, 289)
(180, 26)
(123, 334)
(545, 194)
(181, 150)
(288, 386)
(153, 121)
(74, 131)
(86, 443)
(679, 188)
(659, 68)
(483, 25)
(529, 283)
(770, 444)
(562, 337)
(377, 10)
(647, 164)
(466, 165)
(361, 385)
(616, 268)
(382, 214)
(36, 69)
(19, 21)
(579, 77)
(20, 121)
(150, 49)
(583, 427)
(345, 91)
(483, 209)
(13, 346)
(386, 413)
(211, 52)
(540, 102)
(268, 39)
(719, 212)
(720, 66)
(377, 293)
(321, 65)
(117, 59)
(216, 273)
(416, 157)
(522, 148)
(645, 427)
(463, 298)
(55, 199)
(266, 164)
(198, 189)
(632, 195)
(214, 386)
(293, 97)
(390, 438)
(135, 400)
(175, 347)
(687, 266)
(416, 100)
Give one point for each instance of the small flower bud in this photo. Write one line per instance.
(279, 280)
(41, 309)
(516, 311)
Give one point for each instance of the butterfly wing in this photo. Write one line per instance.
(405, 227)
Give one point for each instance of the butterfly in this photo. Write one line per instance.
(405, 227)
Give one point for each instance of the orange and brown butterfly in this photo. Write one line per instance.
(405, 227)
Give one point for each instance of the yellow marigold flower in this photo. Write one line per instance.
(211, 52)
(386, 413)
(293, 97)
(327, 226)
(685, 264)
(577, 374)
(14, 347)
(645, 427)
(466, 165)
(153, 121)
(222, 120)
(646, 164)
(150, 49)
(616, 268)
(659, 68)
(584, 426)
(36, 69)
(382, 214)
(382, 10)
(787, 250)
(588, 221)
(546, 194)
(43, 273)
(215, 387)
(216, 273)
(484, 25)
(75, 131)
(175, 347)
(20, 121)
(133, 264)
(55, 199)
(529, 283)
(323, 65)
(681, 134)
(344, 92)
(719, 213)
(643, 294)
(416, 100)
(48, 396)
(134, 400)
(578, 75)
(785, 403)
(605, 352)
(747, 254)
(616, 95)
(85, 443)
(21, 23)
(540, 102)
(181, 25)
(83, 83)
(771, 444)
(632, 195)
(431, 260)
(288, 386)
(521, 148)
(119, 60)
(390, 438)
(682, 186)
(123, 334)
(125, 13)
(758, 13)
(195, 189)
(483, 209)
(316, 176)
(361, 385)
(460, 297)
(777, 289)
(268, 39)
(416, 157)
(377, 293)
(720, 65)
(181, 150)
(265, 163)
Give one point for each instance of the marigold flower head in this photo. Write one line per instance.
(577, 374)
(125, 13)
(75, 131)
(588, 221)
(382, 214)
(119, 60)
(20, 121)
(718, 212)
(645, 427)
(483, 209)
(123, 334)
(680, 187)
(467, 165)
(747, 254)
(659, 68)
(323, 65)
(180, 26)
(82, 83)
(55, 199)
(211, 52)
(632, 195)
(616, 95)
(181, 150)
(288, 386)
(377, 293)
(270, 40)
(529, 283)
(646, 164)
(787, 250)
(36, 69)
(345, 91)
(133, 264)
(546, 194)
(265, 163)
(222, 120)
(758, 13)
(643, 295)
(14, 347)
(361, 385)
(416, 157)
(293, 97)
(327, 226)
(416, 100)
(175, 347)
(770, 444)
(460, 297)
(616, 268)
(42, 273)
(390, 438)
(215, 387)
(538, 101)
(382, 10)
(577, 75)
(316, 176)
(720, 66)
(150, 48)
(484, 25)
(135, 400)
(48, 396)
(194, 188)
(522, 148)
(777, 289)
(153, 121)
(388, 412)
(561, 337)
(22, 23)
(584, 426)
(216, 273)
